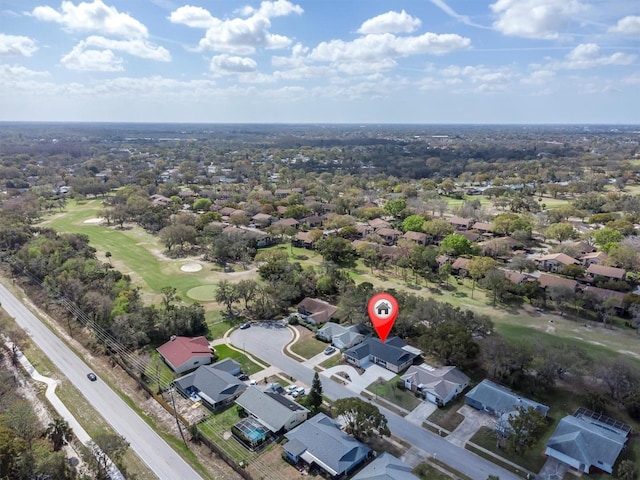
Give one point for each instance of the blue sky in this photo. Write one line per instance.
(321, 61)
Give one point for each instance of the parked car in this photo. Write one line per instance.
(253, 382)
(243, 376)
(290, 389)
(329, 350)
(300, 392)
(92, 376)
(244, 326)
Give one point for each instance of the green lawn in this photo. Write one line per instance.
(426, 471)
(217, 428)
(390, 392)
(308, 347)
(448, 417)
(216, 326)
(531, 460)
(333, 360)
(248, 366)
(156, 367)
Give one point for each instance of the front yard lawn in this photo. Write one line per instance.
(392, 393)
(334, 360)
(308, 347)
(448, 417)
(248, 366)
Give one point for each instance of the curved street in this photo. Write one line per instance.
(267, 343)
(148, 445)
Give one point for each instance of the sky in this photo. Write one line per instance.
(321, 61)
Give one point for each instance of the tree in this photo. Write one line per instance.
(478, 267)
(456, 244)
(395, 207)
(227, 294)
(104, 449)
(413, 223)
(606, 236)
(201, 204)
(247, 290)
(438, 228)
(361, 418)
(561, 231)
(452, 343)
(526, 425)
(572, 270)
(314, 400)
(522, 263)
(59, 432)
(562, 295)
(627, 470)
(338, 251)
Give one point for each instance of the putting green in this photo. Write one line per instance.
(203, 293)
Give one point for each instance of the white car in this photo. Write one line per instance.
(299, 392)
(290, 389)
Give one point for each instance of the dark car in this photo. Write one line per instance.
(92, 376)
(243, 376)
(244, 326)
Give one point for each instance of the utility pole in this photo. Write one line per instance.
(175, 414)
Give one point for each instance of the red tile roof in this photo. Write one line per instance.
(179, 350)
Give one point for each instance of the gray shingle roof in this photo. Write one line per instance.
(326, 444)
(586, 442)
(271, 409)
(500, 399)
(440, 381)
(392, 351)
(386, 467)
(217, 385)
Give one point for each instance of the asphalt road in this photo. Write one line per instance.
(267, 343)
(148, 445)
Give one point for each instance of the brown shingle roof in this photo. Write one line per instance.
(604, 271)
(551, 281)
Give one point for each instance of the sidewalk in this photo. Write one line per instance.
(79, 432)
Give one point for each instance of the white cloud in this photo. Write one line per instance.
(92, 60)
(544, 19)
(18, 72)
(390, 22)
(279, 8)
(588, 55)
(633, 79)
(239, 36)
(539, 77)
(376, 48)
(228, 64)
(629, 25)
(92, 17)
(194, 17)
(136, 47)
(16, 45)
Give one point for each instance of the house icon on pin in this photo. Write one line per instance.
(383, 308)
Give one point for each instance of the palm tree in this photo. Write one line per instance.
(59, 432)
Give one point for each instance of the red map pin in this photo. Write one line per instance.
(383, 311)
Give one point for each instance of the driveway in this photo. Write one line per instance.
(421, 413)
(356, 382)
(473, 420)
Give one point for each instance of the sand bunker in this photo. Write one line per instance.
(94, 220)
(191, 267)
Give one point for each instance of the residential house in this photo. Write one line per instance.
(282, 192)
(438, 385)
(603, 271)
(588, 442)
(274, 411)
(514, 277)
(184, 353)
(341, 336)
(304, 240)
(319, 442)
(389, 235)
(484, 229)
(214, 388)
(386, 467)
(394, 354)
(419, 238)
(554, 262)
(159, 200)
(593, 257)
(262, 220)
(471, 236)
(316, 311)
(226, 211)
(377, 223)
(582, 247)
(460, 267)
(546, 280)
(605, 295)
(261, 238)
(228, 365)
(314, 221)
(287, 223)
(460, 223)
(498, 400)
(364, 229)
